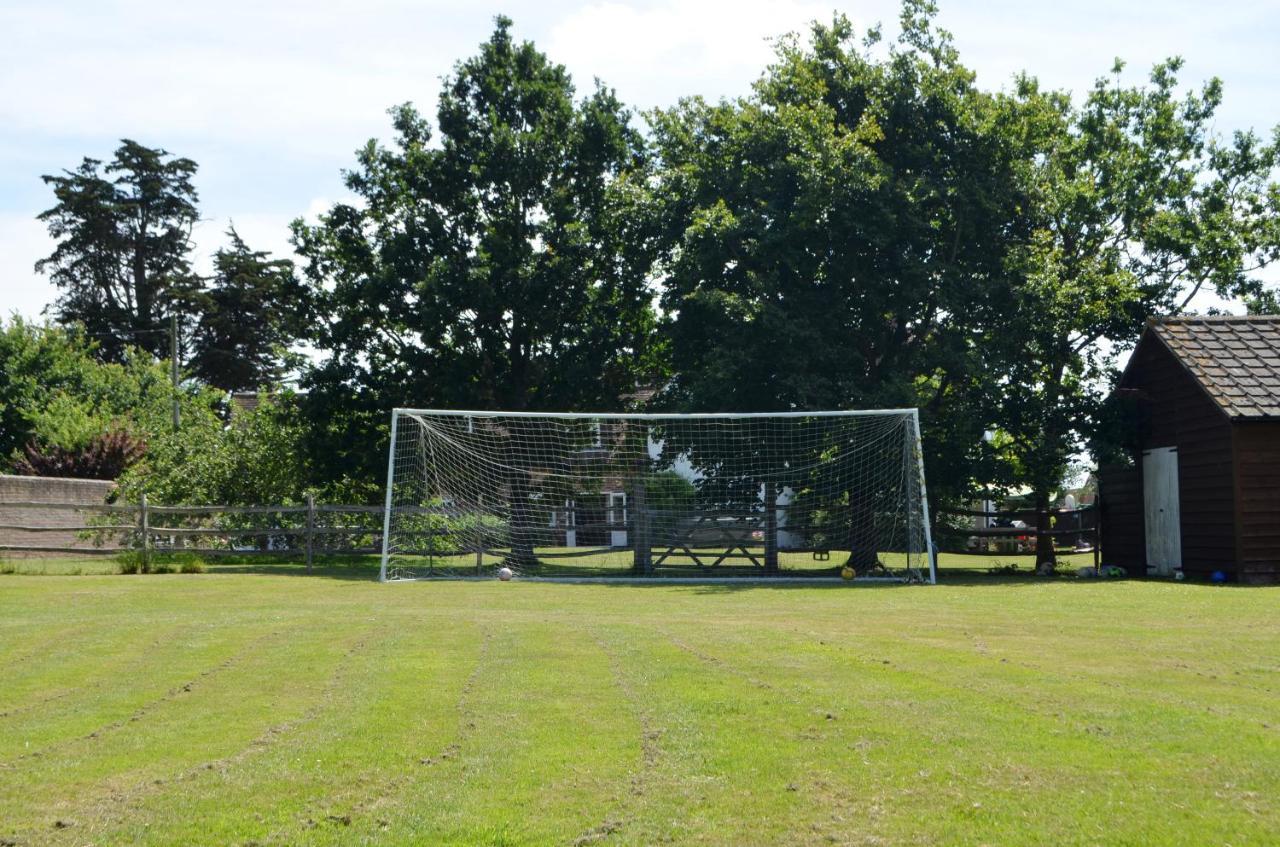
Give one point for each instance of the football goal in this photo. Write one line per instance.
(569, 496)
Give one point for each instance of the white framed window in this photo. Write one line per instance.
(616, 504)
(568, 518)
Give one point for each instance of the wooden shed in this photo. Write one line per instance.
(1204, 492)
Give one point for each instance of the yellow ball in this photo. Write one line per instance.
(847, 572)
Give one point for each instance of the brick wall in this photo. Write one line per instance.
(39, 489)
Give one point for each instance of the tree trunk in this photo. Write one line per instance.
(522, 527)
(1046, 563)
(863, 556)
(641, 546)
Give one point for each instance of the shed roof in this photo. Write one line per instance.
(1235, 358)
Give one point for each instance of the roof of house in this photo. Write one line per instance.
(1235, 358)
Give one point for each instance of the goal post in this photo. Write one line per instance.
(598, 496)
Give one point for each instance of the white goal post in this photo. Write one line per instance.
(600, 496)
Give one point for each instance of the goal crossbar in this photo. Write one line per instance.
(653, 416)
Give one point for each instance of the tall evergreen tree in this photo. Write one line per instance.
(250, 312)
(124, 239)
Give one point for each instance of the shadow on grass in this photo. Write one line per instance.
(364, 568)
(347, 568)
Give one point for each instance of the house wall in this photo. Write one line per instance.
(1257, 452)
(1120, 504)
(1176, 412)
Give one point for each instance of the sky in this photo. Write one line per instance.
(272, 97)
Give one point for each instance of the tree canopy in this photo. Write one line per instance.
(250, 312)
(488, 268)
(123, 235)
(1133, 207)
(835, 237)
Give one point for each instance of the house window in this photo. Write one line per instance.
(616, 503)
(567, 519)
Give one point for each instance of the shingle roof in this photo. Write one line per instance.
(1236, 359)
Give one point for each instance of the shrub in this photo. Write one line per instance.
(104, 456)
(252, 459)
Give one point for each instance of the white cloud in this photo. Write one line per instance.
(290, 74)
(654, 53)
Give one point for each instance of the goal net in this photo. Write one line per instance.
(812, 494)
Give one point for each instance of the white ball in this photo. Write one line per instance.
(505, 574)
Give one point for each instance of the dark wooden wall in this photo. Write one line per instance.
(1120, 508)
(1176, 412)
(1257, 450)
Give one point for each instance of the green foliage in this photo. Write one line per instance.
(133, 562)
(492, 269)
(250, 459)
(1132, 207)
(833, 237)
(56, 397)
(37, 364)
(668, 491)
(123, 235)
(250, 311)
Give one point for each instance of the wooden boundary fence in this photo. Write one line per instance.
(110, 529)
(1082, 523)
(312, 529)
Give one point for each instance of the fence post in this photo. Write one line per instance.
(311, 527)
(144, 526)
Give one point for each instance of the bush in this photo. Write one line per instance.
(56, 395)
(104, 456)
(253, 459)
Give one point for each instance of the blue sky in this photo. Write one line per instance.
(272, 98)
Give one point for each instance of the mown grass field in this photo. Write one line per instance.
(232, 708)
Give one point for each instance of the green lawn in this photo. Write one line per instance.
(275, 708)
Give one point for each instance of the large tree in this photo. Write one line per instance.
(250, 313)
(835, 237)
(487, 269)
(1134, 208)
(491, 268)
(124, 239)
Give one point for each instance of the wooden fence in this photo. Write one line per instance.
(1070, 525)
(110, 529)
(312, 529)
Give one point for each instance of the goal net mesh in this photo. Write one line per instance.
(655, 495)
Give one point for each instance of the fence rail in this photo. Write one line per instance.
(313, 529)
(309, 529)
(1046, 523)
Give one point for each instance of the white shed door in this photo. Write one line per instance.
(1160, 501)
